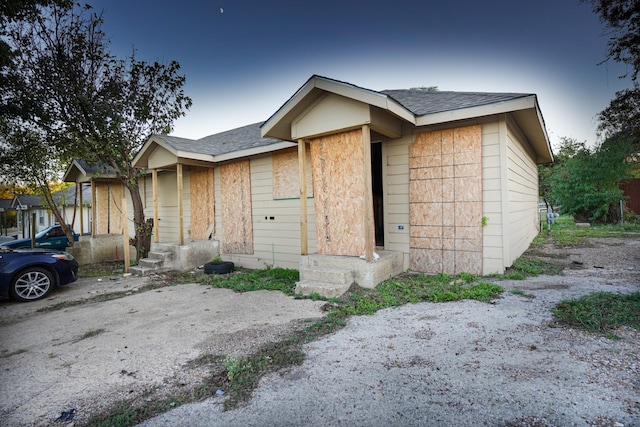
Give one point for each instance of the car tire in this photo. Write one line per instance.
(219, 267)
(31, 284)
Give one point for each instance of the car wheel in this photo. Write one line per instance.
(31, 284)
(219, 267)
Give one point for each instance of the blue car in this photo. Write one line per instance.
(31, 274)
(50, 238)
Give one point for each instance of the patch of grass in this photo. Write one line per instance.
(245, 280)
(600, 312)
(564, 233)
(102, 269)
(527, 266)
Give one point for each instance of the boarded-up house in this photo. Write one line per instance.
(429, 181)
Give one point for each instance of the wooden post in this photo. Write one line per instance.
(302, 178)
(94, 208)
(125, 235)
(33, 230)
(369, 237)
(154, 184)
(180, 206)
(79, 184)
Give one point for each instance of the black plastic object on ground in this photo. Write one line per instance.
(219, 267)
(65, 416)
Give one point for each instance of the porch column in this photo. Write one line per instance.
(154, 186)
(302, 179)
(79, 186)
(94, 209)
(180, 205)
(369, 241)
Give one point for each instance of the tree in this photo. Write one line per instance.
(622, 17)
(70, 90)
(585, 182)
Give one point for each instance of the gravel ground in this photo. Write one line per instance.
(463, 363)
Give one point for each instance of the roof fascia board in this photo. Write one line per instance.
(254, 151)
(149, 145)
(472, 112)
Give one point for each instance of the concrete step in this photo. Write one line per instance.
(151, 263)
(339, 276)
(138, 270)
(160, 255)
(324, 289)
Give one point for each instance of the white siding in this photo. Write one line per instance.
(523, 193)
(276, 223)
(492, 252)
(395, 167)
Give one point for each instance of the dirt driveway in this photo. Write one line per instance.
(88, 356)
(461, 363)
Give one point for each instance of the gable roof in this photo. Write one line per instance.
(422, 102)
(26, 200)
(219, 147)
(81, 171)
(418, 108)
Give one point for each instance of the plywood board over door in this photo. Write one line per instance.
(202, 203)
(445, 196)
(108, 207)
(338, 188)
(237, 220)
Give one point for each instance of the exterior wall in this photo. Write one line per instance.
(445, 197)
(492, 207)
(522, 176)
(276, 222)
(395, 169)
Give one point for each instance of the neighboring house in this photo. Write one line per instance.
(27, 205)
(430, 181)
(102, 191)
(31, 207)
(69, 202)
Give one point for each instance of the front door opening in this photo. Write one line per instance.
(376, 186)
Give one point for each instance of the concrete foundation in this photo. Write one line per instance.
(92, 249)
(331, 276)
(189, 255)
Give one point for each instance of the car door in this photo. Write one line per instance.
(53, 239)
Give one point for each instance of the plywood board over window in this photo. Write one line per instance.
(108, 207)
(445, 196)
(202, 203)
(338, 188)
(285, 174)
(237, 221)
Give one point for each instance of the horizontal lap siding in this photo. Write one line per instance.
(277, 240)
(523, 194)
(396, 196)
(492, 256)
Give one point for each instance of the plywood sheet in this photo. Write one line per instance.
(445, 196)
(338, 186)
(237, 220)
(108, 210)
(202, 203)
(285, 174)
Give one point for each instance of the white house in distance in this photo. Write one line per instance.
(339, 175)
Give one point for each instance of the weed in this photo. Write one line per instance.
(89, 334)
(520, 292)
(600, 311)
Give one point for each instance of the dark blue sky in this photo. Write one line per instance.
(244, 58)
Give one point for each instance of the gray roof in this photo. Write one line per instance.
(422, 102)
(67, 197)
(27, 200)
(243, 138)
(5, 203)
(95, 169)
